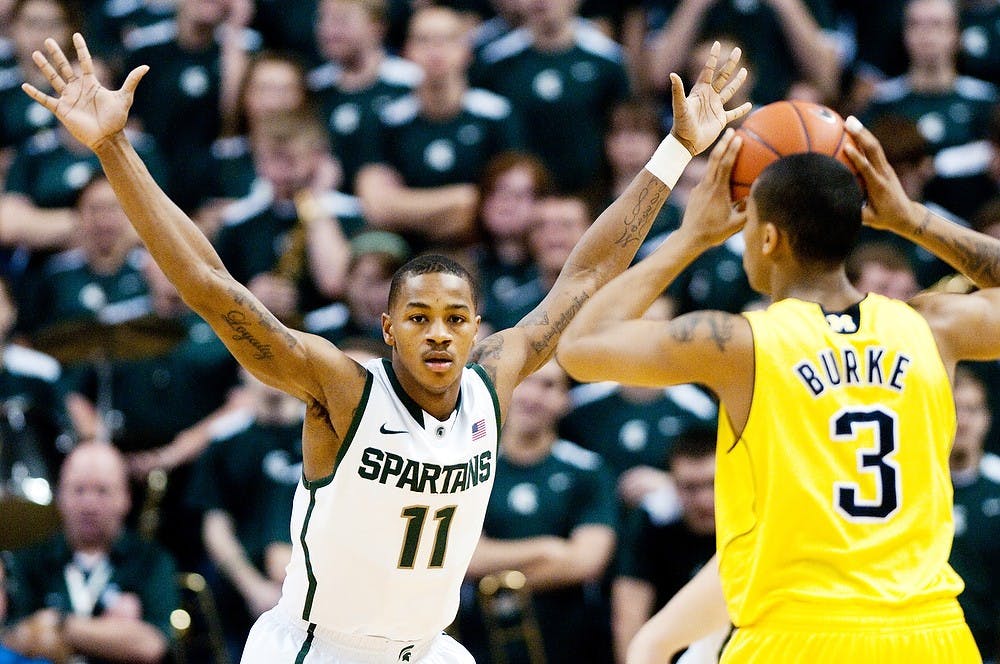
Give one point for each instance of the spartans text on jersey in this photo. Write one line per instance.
(385, 467)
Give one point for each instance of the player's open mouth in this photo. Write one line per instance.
(438, 363)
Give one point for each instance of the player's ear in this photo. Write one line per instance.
(387, 335)
(769, 239)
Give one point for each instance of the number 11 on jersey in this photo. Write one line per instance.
(415, 516)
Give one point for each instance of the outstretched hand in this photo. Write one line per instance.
(701, 116)
(888, 206)
(90, 112)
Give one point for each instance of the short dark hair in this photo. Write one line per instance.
(432, 264)
(696, 443)
(816, 200)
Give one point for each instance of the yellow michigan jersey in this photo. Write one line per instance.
(837, 494)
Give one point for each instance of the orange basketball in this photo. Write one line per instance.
(783, 128)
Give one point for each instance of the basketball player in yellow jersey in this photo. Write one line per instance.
(833, 502)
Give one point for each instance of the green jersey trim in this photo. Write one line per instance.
(348, 437)
(306, 645)
(311, 591)
(412, 407)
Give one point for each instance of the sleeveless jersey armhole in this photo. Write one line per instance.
(359, 413)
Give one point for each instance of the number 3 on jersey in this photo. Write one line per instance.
(844, 427)
(415, 516)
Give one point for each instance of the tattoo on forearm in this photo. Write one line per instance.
(978, 258)
(237, 320)
(555, 329)
(266, 319)
(642, 213)
(693, 326)
(922, 226)
(240, 320)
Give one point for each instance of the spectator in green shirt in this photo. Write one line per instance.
(511, 186)
(39, 421)
(263, 444)
(975, 555)
(358, 78)
(30, 22)
(197, 61)
(420, 174)
(102, 271)
(94, 589)
(788, 41)
(274, 83)
(551, 516)
(562, 76)
(557, 223)
(287, 240)
(667, 540)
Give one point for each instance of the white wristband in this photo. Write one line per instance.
(669, 160)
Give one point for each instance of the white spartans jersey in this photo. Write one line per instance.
(380, 547)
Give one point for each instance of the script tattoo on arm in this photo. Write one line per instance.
(717, 325)
(546, 343)
(980, 259)
(642, 213)
(977, 258)
(241, 321)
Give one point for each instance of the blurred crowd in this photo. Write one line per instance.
(319, 144)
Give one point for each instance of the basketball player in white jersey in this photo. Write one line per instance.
(398, 455)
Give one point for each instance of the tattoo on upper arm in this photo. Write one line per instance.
(717, 325)
(240, 321)
(642, 213)
(553, 330)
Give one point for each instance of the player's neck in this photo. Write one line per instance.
(829, 288)
(438, 404)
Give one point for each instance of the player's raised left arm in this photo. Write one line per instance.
(611, 242)
(608, 340)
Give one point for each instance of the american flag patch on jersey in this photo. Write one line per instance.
(478, 429)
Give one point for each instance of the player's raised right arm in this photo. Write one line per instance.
(96, 117)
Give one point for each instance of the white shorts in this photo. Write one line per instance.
(277, 638)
